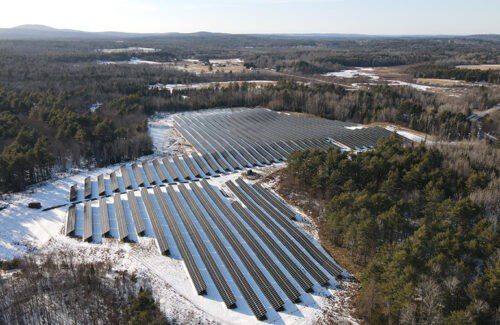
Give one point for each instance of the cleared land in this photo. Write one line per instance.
(220, 252)
(215, 66)
(146, 203)
(441, 82)
(480, 66)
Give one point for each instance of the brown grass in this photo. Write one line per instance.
(440, 82)
(480, 67)
(397, 73)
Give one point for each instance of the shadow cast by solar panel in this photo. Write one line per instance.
(132, 233)
(131, 174)
(291, 309)
(307, 300)
(147, 223)
(113, 224)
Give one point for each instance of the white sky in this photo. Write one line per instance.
(260, 16)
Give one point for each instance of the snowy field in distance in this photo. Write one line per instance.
(131, 49)
(136, 61)
(353, 73)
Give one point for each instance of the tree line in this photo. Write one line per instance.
(444, 117)
(451, 72)
(43, 129)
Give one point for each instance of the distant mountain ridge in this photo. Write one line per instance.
(40, 32)
(33, 32)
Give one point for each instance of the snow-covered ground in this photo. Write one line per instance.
(407, 134)
(95, 107)
(353, 73)
(131, 49)
(370, 73)
(166, 139)
(136, 61)
(409, 84)
(23, 230)
(226, 61)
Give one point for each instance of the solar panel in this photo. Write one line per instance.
(161, 239)
(104, 217)
(136, 213)
(120, 218)
(87, 221)
(69, 227)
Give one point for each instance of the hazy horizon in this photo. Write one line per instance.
(384, 17)
(28, 25)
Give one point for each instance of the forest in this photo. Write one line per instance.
(38, 132)
(419, 222)
(60, 108)
(443, 117)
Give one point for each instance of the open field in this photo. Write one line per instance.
(206, 85)
(480, 66)
(441, 82)
(215, 66)
(395, 73)
(188, 65)
(131, 49)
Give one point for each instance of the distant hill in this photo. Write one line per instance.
(490, 37)
(34, 32)
(42, 32)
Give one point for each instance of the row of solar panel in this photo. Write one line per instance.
(257, 127)
(235, 154)
(156, 172)
(260, 234)
(187, 168)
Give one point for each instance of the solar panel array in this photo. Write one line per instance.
(227, 141)
(231, 140)
(250, 249)
(251, 242)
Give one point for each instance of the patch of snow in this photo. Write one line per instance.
(135, 60)
(409, 84)
(95, 107)
(23, 229)
(132, 49)
(226, 61)
(349, 74)
(166, 139)
(357, 127)
(409, 135)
